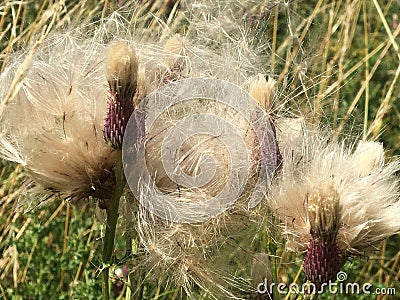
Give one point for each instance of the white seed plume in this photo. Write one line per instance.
(262, 90)
(208, 254)
(367, 157)
(325, 186)
(198, 254)
(121, 67)
(54, 124)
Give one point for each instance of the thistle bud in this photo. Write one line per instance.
(122, 74)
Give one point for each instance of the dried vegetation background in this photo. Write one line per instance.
(336, 61)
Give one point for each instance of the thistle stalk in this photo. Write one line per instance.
(121, 69)
(112, 217)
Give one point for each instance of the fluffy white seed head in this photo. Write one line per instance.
(53, 126)
(327, 187)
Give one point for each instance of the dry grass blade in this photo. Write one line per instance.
(384, 107)
(387, 28)
(363, 87)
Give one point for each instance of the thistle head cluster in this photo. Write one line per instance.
(332, 201)
(70, 99)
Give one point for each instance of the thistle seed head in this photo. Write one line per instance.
(122, 74)
(53, 124)
(334, 202)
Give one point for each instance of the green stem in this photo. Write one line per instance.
(112, 217)
(132, 249)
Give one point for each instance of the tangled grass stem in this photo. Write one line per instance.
(112, 217)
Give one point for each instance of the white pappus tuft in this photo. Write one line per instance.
(333, 201)
(53, 126)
